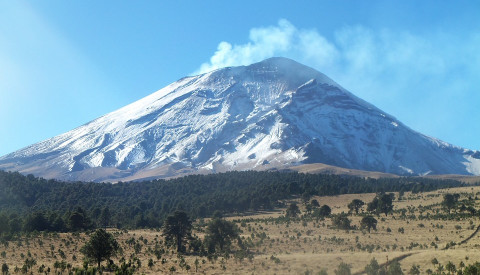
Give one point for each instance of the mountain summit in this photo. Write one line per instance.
(272, 114)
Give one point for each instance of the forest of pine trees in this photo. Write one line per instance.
(30, 204)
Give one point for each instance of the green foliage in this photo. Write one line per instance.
(51, 205)
(372, 268)
(101, 246)
(473, 269)
(150, 263)
(369, 222)
(414, 270)
(126, 269)
(220, 234)
(275, 259)
(15, 225)
(4, 269)
(341, 221)
(293, 211)
(4, 228)
(355, 205)
(343, 269)
(37, 222)
(78, 220)
(450, 201)
(322, 212)
(177, 226)
(382, 203)
(105, 217)
(450, 267)
(394, 268)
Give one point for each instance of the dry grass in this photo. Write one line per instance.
(299, 246)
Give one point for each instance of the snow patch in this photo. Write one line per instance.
(408, 170)
(276, 113)
(426, 173)
(472, 165)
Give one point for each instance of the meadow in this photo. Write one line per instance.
(419, 232)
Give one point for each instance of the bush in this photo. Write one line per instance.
(369, 222)
(293, 210)
(414, 270)
(322, 212)
(394, 269)
(343, 269)
(341, 221)
(372, 268)
(275, 259)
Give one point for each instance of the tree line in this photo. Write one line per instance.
(28, 203)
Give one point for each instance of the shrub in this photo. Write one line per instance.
(4, 268)
(293, 210)
(275, 259)
(372, 268)
(341, 221)
(395, 269)
(343, 269)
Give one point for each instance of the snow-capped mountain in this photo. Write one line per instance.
(272, 114)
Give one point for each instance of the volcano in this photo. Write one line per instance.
(273, 114)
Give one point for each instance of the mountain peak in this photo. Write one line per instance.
(272, 114)
(279, 61)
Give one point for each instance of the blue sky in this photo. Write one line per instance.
(64, 63)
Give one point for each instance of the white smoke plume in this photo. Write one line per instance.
(415, 77)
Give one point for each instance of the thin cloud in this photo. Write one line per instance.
(281, 40)
(415, 77)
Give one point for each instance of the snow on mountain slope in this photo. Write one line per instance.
(272, 114)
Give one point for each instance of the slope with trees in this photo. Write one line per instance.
(35, 204)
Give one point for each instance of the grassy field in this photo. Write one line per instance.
(280, 246)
